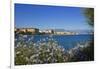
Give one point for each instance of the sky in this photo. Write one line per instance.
(50, 17)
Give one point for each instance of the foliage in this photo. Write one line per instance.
(41, 52)
(83, 54)
(48, 51)
(89, 14)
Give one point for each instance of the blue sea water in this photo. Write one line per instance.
(66, 41)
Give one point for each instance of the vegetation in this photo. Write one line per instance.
(47, 51)
(41, 52)
(89, 51)
(89, 14)
(83, 54)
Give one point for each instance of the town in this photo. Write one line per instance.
(36, 31)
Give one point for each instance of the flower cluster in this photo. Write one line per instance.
(45, 51)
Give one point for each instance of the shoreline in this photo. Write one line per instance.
(54, 34)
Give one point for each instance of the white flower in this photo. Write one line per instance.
(18, 52)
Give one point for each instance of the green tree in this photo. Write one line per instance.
(89, 14)
(89, 51)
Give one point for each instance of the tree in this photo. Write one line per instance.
(89, 14)
(89, 51)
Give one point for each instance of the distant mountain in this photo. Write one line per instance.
(78, 31)
(59, 30)
(83, 31)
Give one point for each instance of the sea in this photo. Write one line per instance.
(66, 41)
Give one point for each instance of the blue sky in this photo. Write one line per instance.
(50, 17)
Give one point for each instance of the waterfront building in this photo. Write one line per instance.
(26, 30)
(32, 30)
(47, 31)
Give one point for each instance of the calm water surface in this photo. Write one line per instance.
(67, 41)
